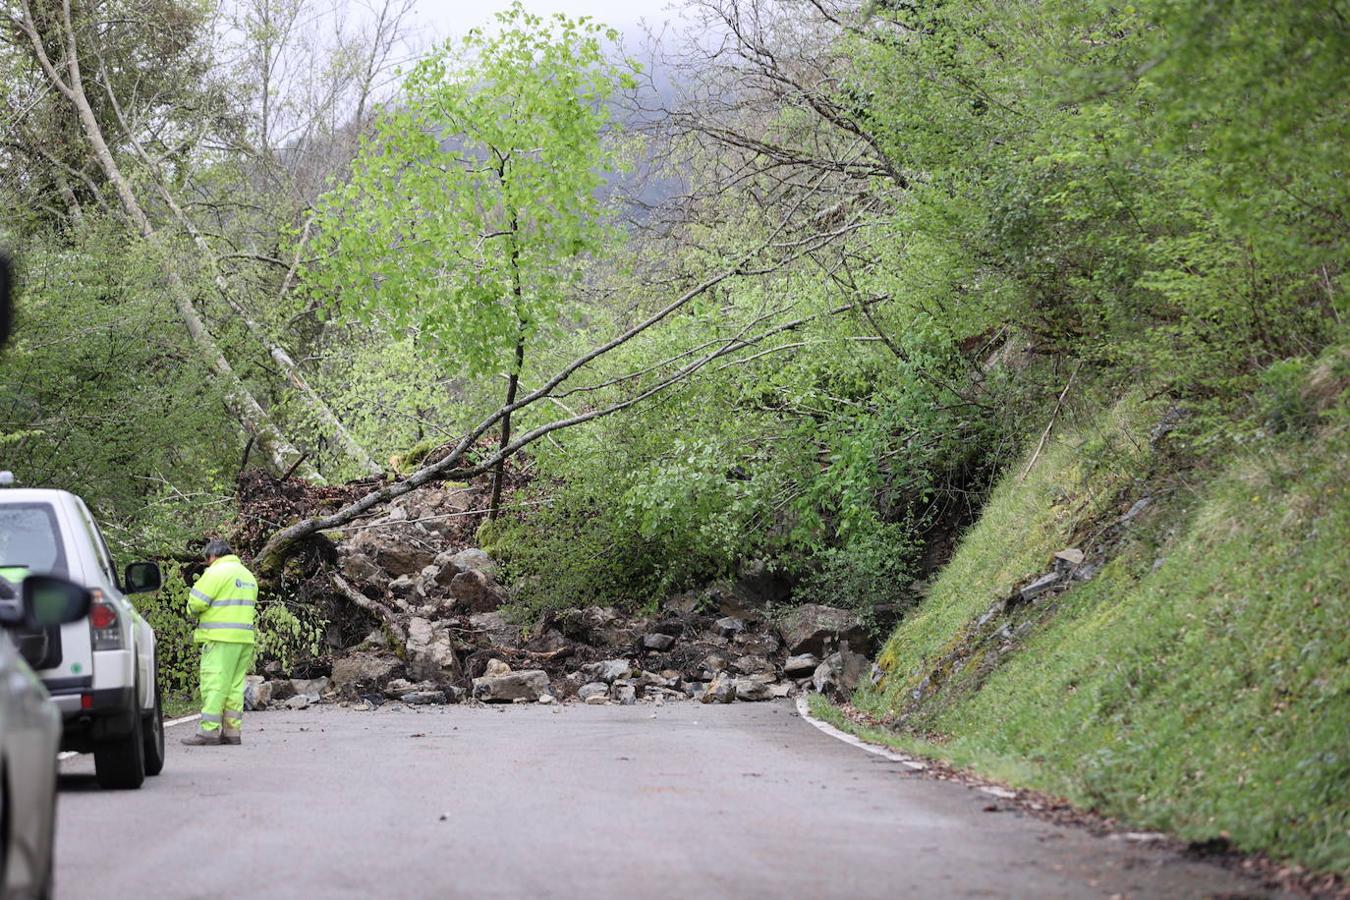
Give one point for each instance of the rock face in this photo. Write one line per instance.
(812, 628)
(529, 685)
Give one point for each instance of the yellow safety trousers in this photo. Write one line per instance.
(223, 667)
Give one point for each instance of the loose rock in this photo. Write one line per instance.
(722, 689)
(801, 664)
(528, 686)
(595, 688)
(750, 689)
(658, 642)
(607, 671)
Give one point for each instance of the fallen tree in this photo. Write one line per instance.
(455, 466)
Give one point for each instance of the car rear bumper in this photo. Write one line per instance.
(89, 716)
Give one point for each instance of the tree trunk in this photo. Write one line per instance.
(249, 412)
(499, 471)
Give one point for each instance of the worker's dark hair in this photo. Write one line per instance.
(216, 547)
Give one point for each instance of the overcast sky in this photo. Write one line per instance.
(446, 18)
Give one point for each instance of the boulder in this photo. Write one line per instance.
(425, 698)
(751, 689)
(299, 701)
(607, 671)
(471, 560)
(431, 651)
(712, 664)
(313, 688)
(839, 675)
(496, 667)
(494, 629)
(812, 628)
(623, 693)
(476, 592)
(397, 687)
(257, 692)
(800, 665)
(722, 689)
(587, 691)
(658, 642)
(390, 550)
(528, 686)
(362, 673)
(597, 699)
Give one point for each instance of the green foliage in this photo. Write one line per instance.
(468, 211)
(102, 397)
(175, 655)
(290, 635)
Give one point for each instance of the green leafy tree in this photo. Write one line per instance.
(470, 209)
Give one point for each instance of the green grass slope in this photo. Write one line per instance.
(1198, 683)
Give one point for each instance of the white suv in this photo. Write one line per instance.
(99, 670)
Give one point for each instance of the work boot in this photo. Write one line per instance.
(232, 739)
(201, 740)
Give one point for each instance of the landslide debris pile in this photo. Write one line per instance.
(418, 614)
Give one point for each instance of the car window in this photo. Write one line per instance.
(30, 539)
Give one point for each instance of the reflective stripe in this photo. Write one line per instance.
(233, 714)
(234, 603)
(200, 596)
(225, 625)
(210, 717)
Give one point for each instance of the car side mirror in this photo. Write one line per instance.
(49, 600)
(142, 578)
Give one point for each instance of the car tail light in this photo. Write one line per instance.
(104, 626)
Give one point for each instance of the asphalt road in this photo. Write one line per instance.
(681, 801)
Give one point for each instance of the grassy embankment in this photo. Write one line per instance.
(1199, 683)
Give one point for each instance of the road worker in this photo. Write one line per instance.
(223, 602)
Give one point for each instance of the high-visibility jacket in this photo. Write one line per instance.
(223, 601)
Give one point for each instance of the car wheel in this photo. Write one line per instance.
(119, 764)
(153, 729)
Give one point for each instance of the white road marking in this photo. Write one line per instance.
(804, 710)
(71, 754)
